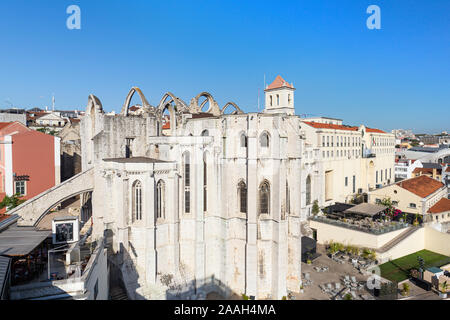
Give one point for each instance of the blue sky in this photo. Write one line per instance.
(396, 77)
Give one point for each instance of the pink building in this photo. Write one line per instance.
(29, 160)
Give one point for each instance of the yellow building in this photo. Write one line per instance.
(440, 212)
(353, 159)
(416, 195)
(430, 172)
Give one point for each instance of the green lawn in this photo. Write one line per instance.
(398, 270)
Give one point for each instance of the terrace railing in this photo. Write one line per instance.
(377, 230)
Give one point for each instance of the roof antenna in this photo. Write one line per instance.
(258, 100)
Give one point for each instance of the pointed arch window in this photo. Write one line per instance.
(243, 139)
(264, 198)
(264, 140)
(187, 182)
(160, 199)
(308, 190)
(137, 201)
(242, 196)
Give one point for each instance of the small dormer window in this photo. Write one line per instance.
(278, 99)
(271, 102)
(289, 99)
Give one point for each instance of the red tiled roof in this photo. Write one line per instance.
(422, 186)
(374, 130)
(5, 124)
(442, 205)
(134, 108)
(279, 82)
(319, 125)
(448, 169)
(36, 115)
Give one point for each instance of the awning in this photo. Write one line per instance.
(366, 209)
(20, 241)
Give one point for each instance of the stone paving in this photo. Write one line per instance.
(417, 293)
(335, 273)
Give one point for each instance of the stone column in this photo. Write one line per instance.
(252, 196)
(294, 236)
(197, 196)
(123, 212)
(149, 212)
(172, 207)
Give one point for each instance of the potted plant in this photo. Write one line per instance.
(443, 291)
(308, 258)
(416, 221)
(405, 289)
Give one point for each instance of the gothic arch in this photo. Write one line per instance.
(233, 105)
(126, 105)
(94, 105)
(167, 100)
(175, 106)
(213, 106)
(264, 139)
(264, 198)
(308, 189)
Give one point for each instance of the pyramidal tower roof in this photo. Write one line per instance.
(279, 82)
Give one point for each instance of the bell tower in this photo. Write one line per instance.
(279, 96)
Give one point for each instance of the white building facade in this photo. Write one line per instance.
(212, 199)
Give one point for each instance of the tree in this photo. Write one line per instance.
(421, 263)
(391, 211)
(315, 208)
(47, 131)
(11, 202)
